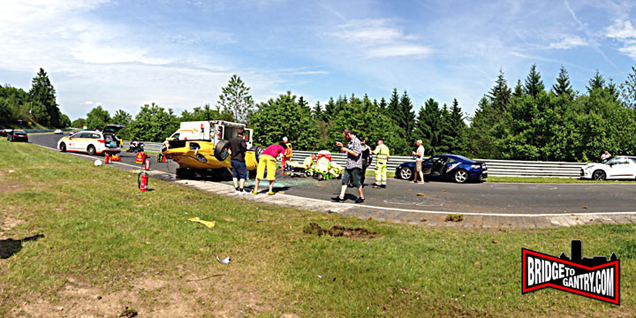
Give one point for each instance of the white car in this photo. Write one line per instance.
(619, 167)
(58, 132)
(92, 141)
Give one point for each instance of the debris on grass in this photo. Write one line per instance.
(337, 231)
(423, 220)
(260, 220)
(129, 313)
(454, 218)
(223, 261)
(189, 201)
(209, 224)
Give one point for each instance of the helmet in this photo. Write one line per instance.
(98, 163)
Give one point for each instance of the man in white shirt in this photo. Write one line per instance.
(605, 156)
(419, 158)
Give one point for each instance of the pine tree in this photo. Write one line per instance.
(407, 118)
(500, 94)
(454, 138)
(518, 91)
(628, 90)
(429, 126)
(393, 109)
(42, 96)
(596, 82)
(563, 87)
(316, 113)
(383, 105)
(236, 99)
(534, 84)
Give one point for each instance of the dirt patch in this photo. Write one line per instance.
(454, 218)
(337, 231)
(193, 295)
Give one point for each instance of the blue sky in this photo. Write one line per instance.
(180, 53)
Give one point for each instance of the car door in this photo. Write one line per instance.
(619, 168)
(74, 141)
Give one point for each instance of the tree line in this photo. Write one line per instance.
(36, 108)
(527, 122)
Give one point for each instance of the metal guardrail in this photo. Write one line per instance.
(496, 168)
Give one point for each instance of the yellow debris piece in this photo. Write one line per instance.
(206, 223)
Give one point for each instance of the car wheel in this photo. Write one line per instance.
(405, 173)
(63, 147)
(599, 175)
(258, 150)
(90, 150)
(460, 176)
(220, 152)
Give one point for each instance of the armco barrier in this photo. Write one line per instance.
(496, 168)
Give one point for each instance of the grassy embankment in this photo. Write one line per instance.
(101, 233)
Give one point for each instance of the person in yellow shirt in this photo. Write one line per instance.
(382, 159)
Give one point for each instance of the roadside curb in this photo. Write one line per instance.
(472, 220)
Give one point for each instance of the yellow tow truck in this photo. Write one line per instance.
(199, 148)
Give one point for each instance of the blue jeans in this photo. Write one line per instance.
(239, 170)
(353, 173)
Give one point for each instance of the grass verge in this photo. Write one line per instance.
(101, 235)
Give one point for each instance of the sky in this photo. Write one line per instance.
(180, 53)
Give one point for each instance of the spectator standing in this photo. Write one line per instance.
(381, 160)
(605, 156)
(287, 156)
(238, 147)
(353, 167)
(419, 158)
(268, 159)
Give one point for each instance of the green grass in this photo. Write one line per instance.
(100, 231)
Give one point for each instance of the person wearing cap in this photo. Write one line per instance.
(287, 156)
(382, 159)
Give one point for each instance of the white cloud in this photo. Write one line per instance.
(376, 38)
(624, 32)
(620, 30)
(399, 50)
(568, 42)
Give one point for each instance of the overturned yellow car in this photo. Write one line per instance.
(200, 149)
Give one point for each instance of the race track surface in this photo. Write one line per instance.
(485, 197)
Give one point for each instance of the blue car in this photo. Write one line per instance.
(445, 167)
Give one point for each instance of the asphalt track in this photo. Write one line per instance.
(472, 198)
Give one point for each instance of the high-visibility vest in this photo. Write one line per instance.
(382, 153)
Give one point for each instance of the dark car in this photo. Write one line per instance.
(5, 132)
(18, 135)
(445, 167)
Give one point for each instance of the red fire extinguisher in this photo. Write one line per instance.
(142, 181)
(107, 158)
(147, 163)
